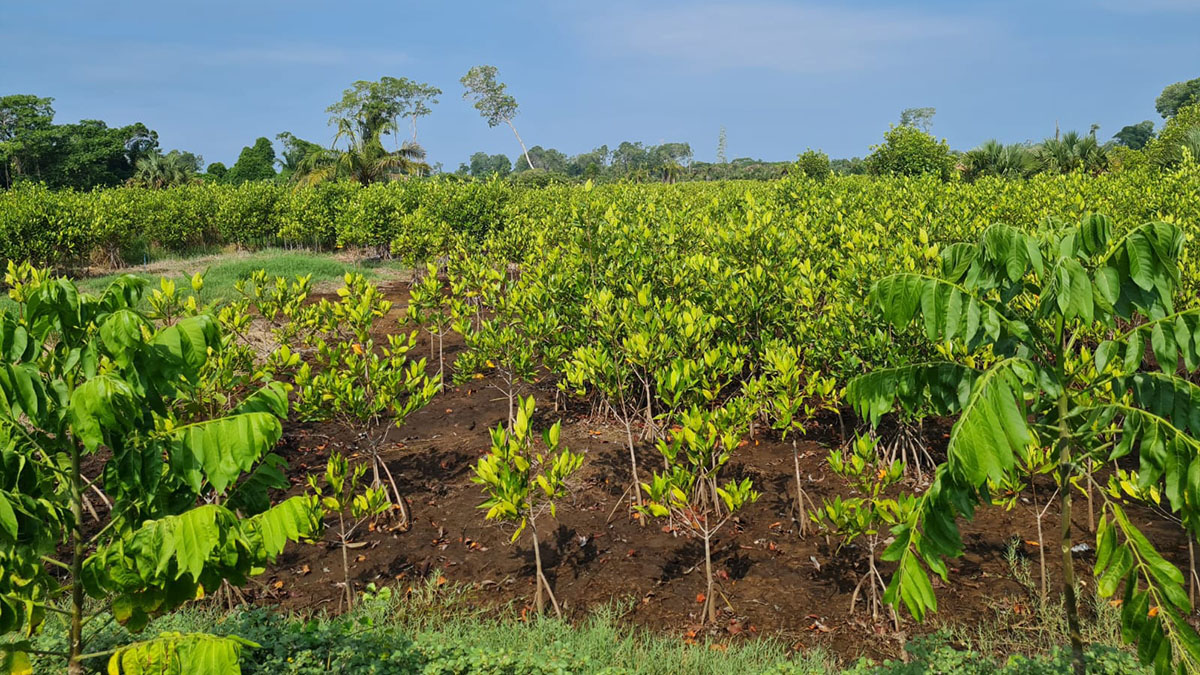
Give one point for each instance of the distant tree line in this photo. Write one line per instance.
(376, 140)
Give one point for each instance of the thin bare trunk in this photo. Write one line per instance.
(710, 609)
(1068, 563)
(74, 665)
(637, 484)
(542, 582)
(524, 150)
(1041, 541)
(345, 562)
(801, 512)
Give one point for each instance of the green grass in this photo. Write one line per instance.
(222, 271)
(435, 629)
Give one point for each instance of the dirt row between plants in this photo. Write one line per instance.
(770, 581)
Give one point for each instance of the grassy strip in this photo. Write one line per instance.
(222, 271)
(433, 630)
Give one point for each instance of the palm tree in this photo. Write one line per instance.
(993, 158)
(364, 160)
(1191, 143)
(161, 171)
(1073, 152)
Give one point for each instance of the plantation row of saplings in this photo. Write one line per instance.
(687, 315)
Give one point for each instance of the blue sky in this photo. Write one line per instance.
(780, 76)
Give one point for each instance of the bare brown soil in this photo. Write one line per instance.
(771, 582)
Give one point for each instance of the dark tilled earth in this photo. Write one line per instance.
(771, 582)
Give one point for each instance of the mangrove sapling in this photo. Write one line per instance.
(352, 507)
(282, 304)
(523, 483)
(427, 308)
(91, 376)
(503, 348)
(866, 514)
(1029, 299)
(791, 398)
(365, 388)
(688, 492)
(596, 367)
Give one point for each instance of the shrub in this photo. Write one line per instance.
(908, 151)
(44, 226)
(245, 213)
(1166, 151)
(812, 164)
(309, 215)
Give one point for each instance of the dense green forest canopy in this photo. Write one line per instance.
(376, 140)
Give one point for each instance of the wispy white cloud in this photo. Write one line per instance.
(808, 38)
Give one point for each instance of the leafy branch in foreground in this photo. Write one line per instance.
(1069, 377)
(91, 377)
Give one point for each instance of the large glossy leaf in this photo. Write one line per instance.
(944, 387)
(180, 654)
(271, 398)
(993, 427)
(290, 520)
(184, 345)
(1155, 604)
(102, 406)
(220, 450)
(949, 310)
(185, 540)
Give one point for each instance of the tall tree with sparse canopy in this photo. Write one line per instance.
(376, 107)
(1175, 96)
(496, 106)
(918, 118)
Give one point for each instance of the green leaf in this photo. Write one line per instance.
(8, 518)
(291, 520)
(271, 398)
(946, 387)
(180, 654)
(992, 429)
(222, 449)
(102, 404)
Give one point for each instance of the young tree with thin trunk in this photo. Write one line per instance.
(688, 492)
(522, 483)
(496, 106)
